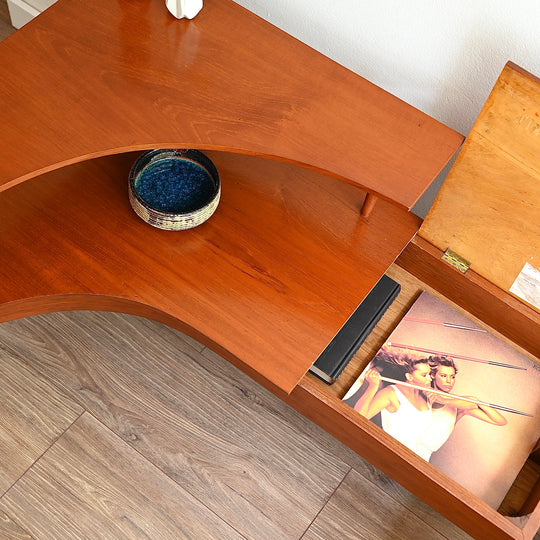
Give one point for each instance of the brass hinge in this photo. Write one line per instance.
(457, 261)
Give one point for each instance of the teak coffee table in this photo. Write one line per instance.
(299, 142)
(319, 170)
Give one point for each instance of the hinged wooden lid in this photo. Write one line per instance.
(488, 210)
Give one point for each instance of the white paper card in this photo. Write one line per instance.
(527, 285)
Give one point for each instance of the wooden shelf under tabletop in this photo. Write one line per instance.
(267, 281)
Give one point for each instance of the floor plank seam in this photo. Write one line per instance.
(161, 471)
(60, 435)
(326, 502)
(75, 397)
(401, 505)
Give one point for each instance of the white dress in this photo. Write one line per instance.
(442, 425)
(408, 425)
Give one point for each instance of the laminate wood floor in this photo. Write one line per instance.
(5, 22)
(113, 426)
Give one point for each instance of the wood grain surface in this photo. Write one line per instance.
(337, 521)
(189, 415)
(268, 280)
(129, 76)
(9, 530)
(34, 414)
(488, 209)
(90, 484)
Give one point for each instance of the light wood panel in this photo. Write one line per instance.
(128, 76)
(90, 484)
(33, 415)
(488, 209)
(285, 259)
(336, 520)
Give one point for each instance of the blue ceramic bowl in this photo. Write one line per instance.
(174, 189)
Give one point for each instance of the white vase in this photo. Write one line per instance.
(184, 9)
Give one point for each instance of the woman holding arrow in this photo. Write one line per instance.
(405, 410)
(421, 419)
(447, 410)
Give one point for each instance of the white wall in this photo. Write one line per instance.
(442, 56)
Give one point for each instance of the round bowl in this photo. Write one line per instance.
(174, 189)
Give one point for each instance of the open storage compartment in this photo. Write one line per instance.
(323, 404)
(488, 209)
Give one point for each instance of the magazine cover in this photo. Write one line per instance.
(455, 394)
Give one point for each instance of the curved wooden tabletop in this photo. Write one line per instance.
(285, 260)
(267, 281)
(87, 79)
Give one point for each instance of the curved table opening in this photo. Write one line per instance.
(267, 281)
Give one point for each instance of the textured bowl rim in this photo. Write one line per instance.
(173, 220)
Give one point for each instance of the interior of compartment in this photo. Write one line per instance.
(524, 495)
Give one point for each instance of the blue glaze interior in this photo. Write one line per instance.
(175, 185)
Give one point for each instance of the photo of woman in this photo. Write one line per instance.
(456, 395)
(447, 411)
(405, 411)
